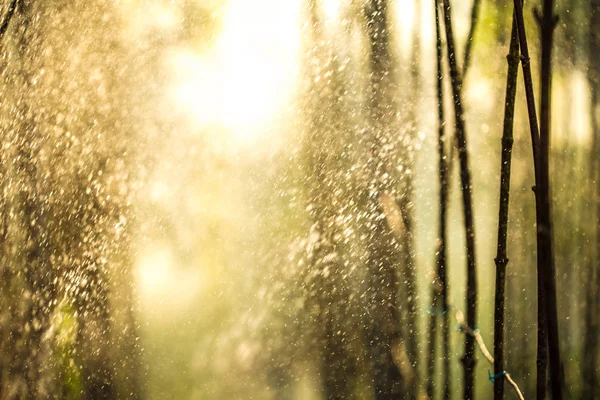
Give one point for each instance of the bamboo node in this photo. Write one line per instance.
(513, 58)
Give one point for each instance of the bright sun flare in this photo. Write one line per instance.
(246, 80)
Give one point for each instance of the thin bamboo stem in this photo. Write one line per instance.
(465, 70)
(501, 256)
(469, 43)
(542, 346)
(440, 287)
(547, 23)
(468, 359)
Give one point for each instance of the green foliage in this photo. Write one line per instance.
(68, 365)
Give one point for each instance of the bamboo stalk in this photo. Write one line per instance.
(447, 173)
(542, 356)
(439, 290)
(501, 256)
(547, 23)
(547, 315)
(465, 69)
(469, 43)
(468, 359)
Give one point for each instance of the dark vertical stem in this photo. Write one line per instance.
(431, 349)
(446, 378)
(547, 25)
(406, 204)
(465, 69)
(469, 44)
(526, 66)
(542, 346)
(440, 290)
(501, 257)
(441, 245)
(10, 11)
(443, 171)
(547, 309)
(468, 359)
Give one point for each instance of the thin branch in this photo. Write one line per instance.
(479, 339)
(460, 318)
(515, 386)
(501, 256)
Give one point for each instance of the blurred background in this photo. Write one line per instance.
(186, 189)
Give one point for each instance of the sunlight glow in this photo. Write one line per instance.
(244, 83)
(481, 93)
(579, 115)
(405, 13)
(162, 284)
(331, 9)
